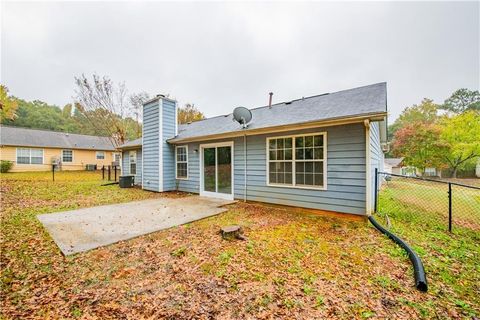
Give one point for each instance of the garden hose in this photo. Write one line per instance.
(419, 271)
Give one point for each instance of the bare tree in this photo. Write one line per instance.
(137, 100)
(104, 104)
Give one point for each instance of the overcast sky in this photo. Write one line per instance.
(223, 55)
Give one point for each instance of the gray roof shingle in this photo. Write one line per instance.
(16, 136)
(394, 162)
(131, 144)
(367, 100)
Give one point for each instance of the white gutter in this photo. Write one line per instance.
(282, 128)
(368, 171)
(245, 167)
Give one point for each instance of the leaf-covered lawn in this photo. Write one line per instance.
(295, 264)
(418, 212)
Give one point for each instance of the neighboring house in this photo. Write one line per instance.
(36, 150)
(318, 152)
(396, 166)
(393, 165)
(477, 169)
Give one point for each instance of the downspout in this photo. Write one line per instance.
(245, 166)
(368, 169)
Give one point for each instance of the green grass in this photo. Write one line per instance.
(418, 213)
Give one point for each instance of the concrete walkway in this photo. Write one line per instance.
(84, 229)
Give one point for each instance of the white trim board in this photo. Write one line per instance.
(160, 145)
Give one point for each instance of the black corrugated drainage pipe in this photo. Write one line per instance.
(418, 270)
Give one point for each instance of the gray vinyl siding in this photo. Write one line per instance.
(126, 165)
(376, 155)
(346, 178)
(151, 124)
(168, 124)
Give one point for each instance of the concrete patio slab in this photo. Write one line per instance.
(84, 229)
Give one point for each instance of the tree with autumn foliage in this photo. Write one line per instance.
(420, 145)
(189, 113)
(425, 112)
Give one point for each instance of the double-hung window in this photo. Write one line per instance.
(29, 156)
(297, 161)
(67, 155)
(133, 162)
(181, 169)
(100, 155)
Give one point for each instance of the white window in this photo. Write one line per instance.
(67, 155)
(100, 155)
(29, 156)
(116, 157)
(181, 168)
(297, 161)
(430, 172)
(133, 162)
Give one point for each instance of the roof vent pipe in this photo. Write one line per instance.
(270, 100)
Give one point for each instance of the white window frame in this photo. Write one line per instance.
(63, 160)
(294, 161)
(115, 154)
(96, 155)
(134, 162)
(176, 162)
(29, 156)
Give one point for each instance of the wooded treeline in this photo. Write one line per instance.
(102, 108)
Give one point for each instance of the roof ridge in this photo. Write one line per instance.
(55, 131)
(299, 99)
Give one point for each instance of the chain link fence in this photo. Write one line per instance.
(426, 203)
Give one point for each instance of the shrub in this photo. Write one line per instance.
(5, 166)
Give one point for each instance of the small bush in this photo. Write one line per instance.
(5, 166)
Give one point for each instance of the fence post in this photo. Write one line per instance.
(449, 207)
(103, 172)
(53, 172)
(376, 191)
(115, 173)
(109, 173)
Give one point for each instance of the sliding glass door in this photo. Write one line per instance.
(217, 168)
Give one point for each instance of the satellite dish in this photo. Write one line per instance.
(242, 115)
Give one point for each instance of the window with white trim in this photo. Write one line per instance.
(132, 155)
(100, 155)
(297, 161)
(67, 155)
(29, 156)
(181, 156)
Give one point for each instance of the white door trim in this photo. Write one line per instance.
(216, 194)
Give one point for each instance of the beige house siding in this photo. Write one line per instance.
(80, 159)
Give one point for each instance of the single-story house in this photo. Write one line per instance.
(316, 152)
(396, 166)
(393, 165)
(37, 150)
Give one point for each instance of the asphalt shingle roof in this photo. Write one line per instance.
(131, 143)
(394, 162)
(367, 100)
(16, 136)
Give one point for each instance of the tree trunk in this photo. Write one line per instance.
(454, 173)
